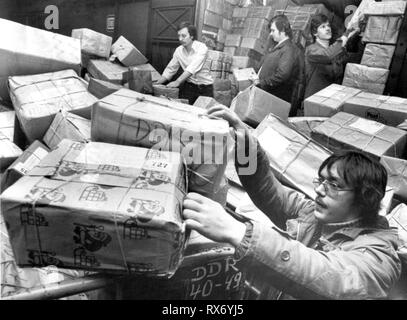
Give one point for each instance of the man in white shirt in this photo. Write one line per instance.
(196, 79)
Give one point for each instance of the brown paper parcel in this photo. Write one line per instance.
(397, 175)
(67, 125)
(93, 42)
(20, 167)
(127, 53)
(294, 158)
(345, 130)
(368, 79)
(384, 109)
(306, 124)
(97, 206)
(107, 71)
(131, 118)
(378, 55)
(382, 29)
(254, 104)
(38, 98)
(328, 101)
(101, 88)
(25, 50)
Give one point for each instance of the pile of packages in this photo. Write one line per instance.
(384, 21)
(93, 174)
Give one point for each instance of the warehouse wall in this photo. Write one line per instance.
(131, 17)
(6, 7)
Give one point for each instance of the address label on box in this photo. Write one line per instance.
(370, 127)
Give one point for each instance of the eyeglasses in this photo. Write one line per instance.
(330, 188)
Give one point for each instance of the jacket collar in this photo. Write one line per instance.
(281, 45)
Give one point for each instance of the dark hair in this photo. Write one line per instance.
(282, 24)
(365, 175)
(191, 29)
(316, 21)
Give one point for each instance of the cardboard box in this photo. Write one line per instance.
(160, 90)
(38, 98)
(378, 55)
(255, 44)
(25, 50)
(93, 42)
(328, 101)
(127, 53)
(347, 131)
(8, 152)
(139, 80)
(254, 104)
(7, 124)
(368, 79)
(107, 71)
(391, 8)
(101, 89)
(67, 126)
(306, 124)
(131, 118)
(294, 158)
(106, 208)
(245, 77)
(244, 62)
(155, 75)
(31, 157)
(223, 97)
(382, 29)
(397, 175)
(384, 109)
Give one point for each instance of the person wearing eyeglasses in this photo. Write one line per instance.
(334, 247)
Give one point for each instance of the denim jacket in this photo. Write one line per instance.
(350, 261)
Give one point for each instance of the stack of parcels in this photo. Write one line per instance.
(127, 53)
(93, 44)
(31, 157)
(389, 110)
(347, 131)
(368, 79)
(15, 280)
(398, 219)
(254, 104)
(397, 175)
(107, 71)
(101, 88)
(131, 118)
(8, 152)
(25, 50)
(328, 101)
(294, 158)
(99, 207)
(300, 20)
(217, 22)
(67, 125)
(247, 41)
(218, 63)
(38, 98)
(245, 77)
(384, 21)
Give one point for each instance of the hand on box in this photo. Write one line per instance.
(211, 220)
(162, 80)
(173, 84)
(230, 116)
